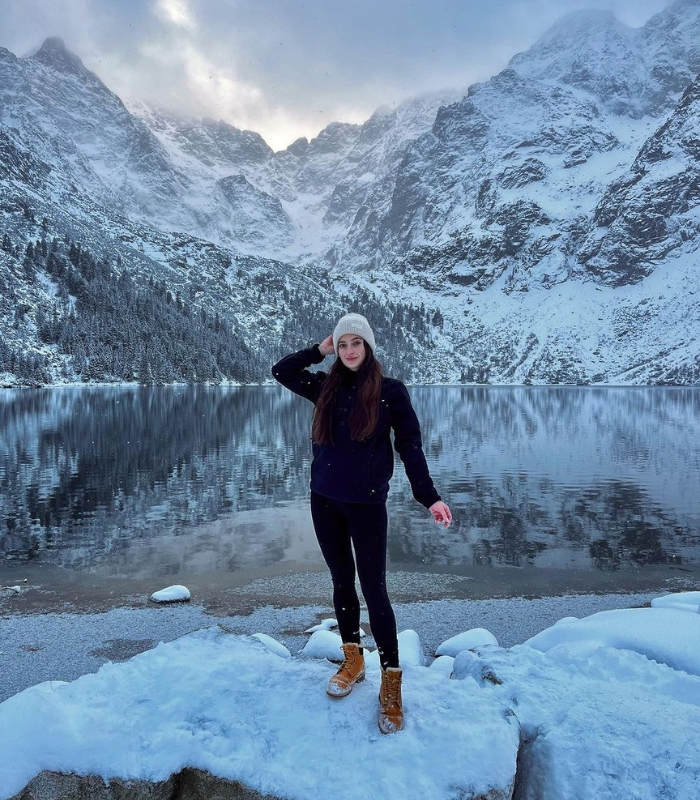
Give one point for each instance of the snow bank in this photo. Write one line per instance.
(612, 724)
(605, 710)
(652, 632)
(226, 704)
(604, 707)
(683, 601)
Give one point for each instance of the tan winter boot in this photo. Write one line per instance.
(390, 709)
(351, 671)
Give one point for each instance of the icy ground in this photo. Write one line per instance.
(63, 646)
(601, 707)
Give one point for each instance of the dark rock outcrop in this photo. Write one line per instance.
(189, 784)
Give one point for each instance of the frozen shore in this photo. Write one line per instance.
(55, 646)
(605, 706)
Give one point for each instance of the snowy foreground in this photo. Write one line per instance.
(603, 707)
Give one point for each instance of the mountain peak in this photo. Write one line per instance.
(583, 19)
(590, 50)
(587, 32)
(54, 53)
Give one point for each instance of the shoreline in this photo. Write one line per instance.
(65, 623)
(49, 588)
(49, 646)
(267, 384)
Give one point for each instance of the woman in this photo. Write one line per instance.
(356, 408)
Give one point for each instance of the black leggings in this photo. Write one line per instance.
(340, 527)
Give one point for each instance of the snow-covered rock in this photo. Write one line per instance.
(410, 652)
(171, 594)
(443, 664)
(476, 637)
(273, 645)
(603, 719)
(470, 664)
(610, 723)
(323, 625)
(410, 649)
(324, 644)
(228, 706)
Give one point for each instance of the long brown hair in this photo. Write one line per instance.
(365, 408)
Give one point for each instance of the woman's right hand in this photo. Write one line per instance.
(441, 513)
(326, 347)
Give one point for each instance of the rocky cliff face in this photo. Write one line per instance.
(66, 116)
(652, 210)
(316, 186)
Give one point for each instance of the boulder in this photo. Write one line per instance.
(190, 784)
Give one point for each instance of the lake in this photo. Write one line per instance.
(551, 488)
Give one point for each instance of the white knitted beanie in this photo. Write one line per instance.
(353, 323)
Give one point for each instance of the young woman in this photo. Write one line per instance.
(356, 408)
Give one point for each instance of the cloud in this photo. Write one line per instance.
(176, 12)
(285, 68)
(197, 85)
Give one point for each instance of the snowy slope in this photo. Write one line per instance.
(68, 118)
(315, 186)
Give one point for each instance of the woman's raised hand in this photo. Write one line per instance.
(441, 513)
(326, 347)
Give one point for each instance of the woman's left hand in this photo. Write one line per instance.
(441, 513)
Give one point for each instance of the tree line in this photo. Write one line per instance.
(114, 326)
(115, 329)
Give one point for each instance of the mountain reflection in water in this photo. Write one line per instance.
(164, 480)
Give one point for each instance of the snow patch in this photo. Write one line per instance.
(171, 594)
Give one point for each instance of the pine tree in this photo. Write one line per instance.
(145, 373)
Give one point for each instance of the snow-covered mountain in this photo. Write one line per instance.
(308, 193)
(505, 174)
(508, 207)
(544, 227)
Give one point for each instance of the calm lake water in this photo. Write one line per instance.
(166, 481)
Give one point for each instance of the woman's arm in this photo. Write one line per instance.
(409, 446)
(292, 371)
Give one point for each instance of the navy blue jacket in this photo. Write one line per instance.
(359, 472)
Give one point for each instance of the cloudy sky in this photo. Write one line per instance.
(286, 68)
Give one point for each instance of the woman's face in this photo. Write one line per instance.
(351, 350)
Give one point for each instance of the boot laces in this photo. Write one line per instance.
(349, 656)
(391, 691)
